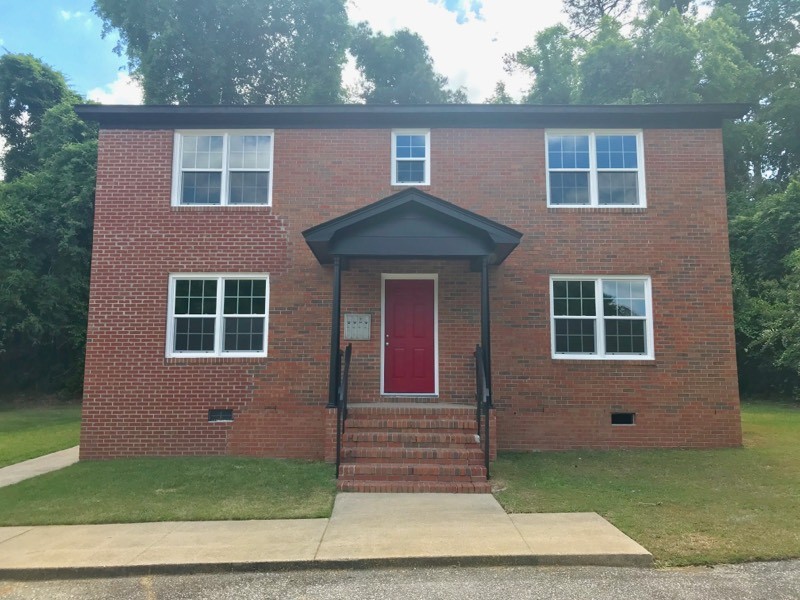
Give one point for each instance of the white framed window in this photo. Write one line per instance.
(218, 315)
(411, 157)
(219, 168)
(601, 317)
(595, 168)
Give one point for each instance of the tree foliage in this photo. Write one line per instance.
(586, 15)
(232, 51)
(398, 69)
(45, 243)
(28, 88)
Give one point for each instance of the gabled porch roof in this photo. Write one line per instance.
(412, 224)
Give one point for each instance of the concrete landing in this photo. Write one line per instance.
(38, 466)
(364, 530)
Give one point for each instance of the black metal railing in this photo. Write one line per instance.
(483, 403)
(343, 372)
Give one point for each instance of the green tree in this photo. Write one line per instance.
(398, 69)
(606, 66)
(765, 253)
(586, 15)
(232, 51)
(500, 95)
(45, 246)
(28, 88)
(552, 62)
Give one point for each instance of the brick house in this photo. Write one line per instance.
(566, 267)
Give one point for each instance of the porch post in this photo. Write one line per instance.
(333, 375)
(486, 337)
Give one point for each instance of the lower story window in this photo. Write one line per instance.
(218, 315)
(601, 317)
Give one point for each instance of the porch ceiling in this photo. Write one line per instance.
(411, 224)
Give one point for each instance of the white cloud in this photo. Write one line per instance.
(469, 53)
(68, 16)
(124, 90)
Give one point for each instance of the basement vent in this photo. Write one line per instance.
(623, 418)
(220, 415)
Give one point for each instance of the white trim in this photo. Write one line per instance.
(427, 134)
(593, 171)
(600, 318)
(218, 352)
(177, 170)
(382, 340)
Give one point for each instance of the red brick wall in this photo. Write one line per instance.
(137, 402)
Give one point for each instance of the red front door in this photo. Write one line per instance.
(409, 337)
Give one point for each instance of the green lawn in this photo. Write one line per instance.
(171, 489)
(29, 432)
(685, 506)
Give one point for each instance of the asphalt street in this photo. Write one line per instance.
(754, 581)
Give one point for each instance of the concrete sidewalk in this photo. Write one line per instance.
(364, 529)
(38, 466)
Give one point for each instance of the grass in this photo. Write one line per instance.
(171, 489)
(688, 507)
(30, 432)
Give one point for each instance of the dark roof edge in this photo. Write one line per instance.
(425, 115)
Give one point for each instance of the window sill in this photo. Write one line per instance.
(596, 209)
(584, 360)
(219, 207)
(214, 360)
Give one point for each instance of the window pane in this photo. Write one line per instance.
(568, 151)
(624, 298)
(249, 188)
(202, 152)
(618, 188)
(245, 297)
(250, 151)
(625, 336)
(196, 297)
(410, 171)
(575, 336)
(201, 188)
(194, 334)
(244, 334)
(569, 188)
(574, 298)
(616, 152)
(410, 146)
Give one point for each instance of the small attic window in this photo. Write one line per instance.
(623, 418)
(220, 415)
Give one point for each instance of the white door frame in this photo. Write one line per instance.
(382, 341)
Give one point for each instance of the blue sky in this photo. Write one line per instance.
(66, 35)
(467, 39)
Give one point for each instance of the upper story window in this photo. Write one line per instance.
(411, 160)
(222, 168)
(595, 168)
(601, 317)
(217, 315)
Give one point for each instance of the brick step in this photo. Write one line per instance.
(419, 487)
(411, 402)
(417, 411)
(409, 439)
(409, 424)
(412, 472)
(472, 456)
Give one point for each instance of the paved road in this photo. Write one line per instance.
(758, 581)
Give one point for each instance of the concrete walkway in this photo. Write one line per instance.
(38, 466)
(364, 529)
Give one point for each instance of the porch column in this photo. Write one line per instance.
(333, 375)
(486, 334)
